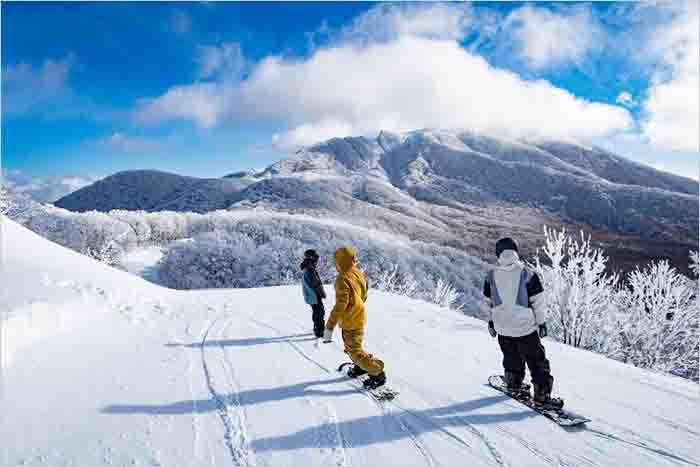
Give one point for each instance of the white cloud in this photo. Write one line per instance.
(204, 103)
(546, 38)
(406, 83)
(309, 133)
(391, 21)
(672, 108)
(225, 61)
(26, 86)
(45, 189)
(626, 99)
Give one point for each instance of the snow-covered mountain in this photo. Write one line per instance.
(102, 368)
(450, 187)
(151, 190)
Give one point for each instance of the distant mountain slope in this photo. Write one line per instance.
(458, 188)
(618, 169)
(151, 190)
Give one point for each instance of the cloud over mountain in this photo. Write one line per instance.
(406, 83)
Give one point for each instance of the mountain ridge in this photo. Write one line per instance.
(456, 188)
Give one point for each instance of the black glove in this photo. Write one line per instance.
(543, 330)
(492, 329)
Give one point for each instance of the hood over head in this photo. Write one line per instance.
(345, 258)
(509, 259)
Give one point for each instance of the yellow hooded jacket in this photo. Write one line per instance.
(350, 292)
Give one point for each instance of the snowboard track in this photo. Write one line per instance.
(330, 430)
(473, 430)
(235, 432)
(413, 436)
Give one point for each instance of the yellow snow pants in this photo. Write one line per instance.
(353, 347)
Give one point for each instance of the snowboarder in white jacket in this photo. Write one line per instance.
(313, 291)
(518, 319)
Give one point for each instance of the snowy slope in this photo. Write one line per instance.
(148, 376)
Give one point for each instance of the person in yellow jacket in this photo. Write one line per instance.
(349, 313)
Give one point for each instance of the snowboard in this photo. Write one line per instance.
(560, 416)
(382, 393)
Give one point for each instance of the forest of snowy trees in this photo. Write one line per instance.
(648, 318)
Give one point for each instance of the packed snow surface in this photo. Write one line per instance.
(101, 367)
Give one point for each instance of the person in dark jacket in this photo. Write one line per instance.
(518, 319)
(312, 288)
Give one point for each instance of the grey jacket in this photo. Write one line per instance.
(516, 295)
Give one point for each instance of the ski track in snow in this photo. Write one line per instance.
(642, 443)
(498, 457)
(328, 431)
(576, 461)
(383, 407)
(335, 434)
(229, 407)
(191, 381)
(332, 436)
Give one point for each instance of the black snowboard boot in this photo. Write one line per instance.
(355, 371)
(513, 381)
(373, 382)
(543, 398)
(514, 384)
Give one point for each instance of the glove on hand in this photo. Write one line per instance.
(543, 330)
(492, 329)
(327, 336)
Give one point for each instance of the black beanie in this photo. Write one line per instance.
(311, 254)
(505, 244)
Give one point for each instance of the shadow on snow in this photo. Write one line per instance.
(248, 342)
(363, 431)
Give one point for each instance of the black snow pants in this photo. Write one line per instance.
(527, 349)
(318, 314)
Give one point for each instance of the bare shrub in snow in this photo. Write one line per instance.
(446, 295)
(579, 293)
(392, 281)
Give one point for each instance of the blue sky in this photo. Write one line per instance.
(209, 88)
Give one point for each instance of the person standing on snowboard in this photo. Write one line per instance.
(313, 290)
(349, 313)
(518, 319)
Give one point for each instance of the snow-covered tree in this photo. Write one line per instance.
(273, 245)
(446, 295)
(393, 281)
(4, 198)
(579, 292)
(109, 252)
(659, 321)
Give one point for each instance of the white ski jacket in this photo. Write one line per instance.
(516, 296)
